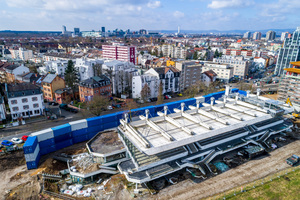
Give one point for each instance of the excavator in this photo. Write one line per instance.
(295, 114)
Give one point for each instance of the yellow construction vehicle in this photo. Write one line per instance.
(295, 113)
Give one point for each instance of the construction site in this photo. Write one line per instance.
(190, 151)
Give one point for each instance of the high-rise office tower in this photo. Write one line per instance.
(64, 29)
(290, 52)
(76, 31)
(178, 30)
(103, 29)
(270, 35)
(247, 35)
(257, 36)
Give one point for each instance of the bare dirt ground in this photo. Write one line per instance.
(271, 96)
(248, 172)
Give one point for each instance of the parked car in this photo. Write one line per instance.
(17, 140)
(73, 110)
(54, 103)
(109, 107)
(153, 99)
(6, 143)
(24, 137)
(63, 106)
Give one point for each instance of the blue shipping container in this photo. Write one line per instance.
(94, 121)
(111, 125)
(30, 144)
(95, 128)
(91, 135)
(80, 138)
(63, 137)
(62, 129)
(33, 164)
(109, 118)
(79, 132)
(48, 149)
(47, 143)
(243, 92)
(64, 144)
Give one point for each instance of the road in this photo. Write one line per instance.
(19, 131)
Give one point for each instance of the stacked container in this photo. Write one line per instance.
(79, 131)
(62, 136)
(32, 152)
(46, 141)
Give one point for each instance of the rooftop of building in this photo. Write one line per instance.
(22, 89)
(95, 81)
(105, 143)
(166, 132)
(49, 78)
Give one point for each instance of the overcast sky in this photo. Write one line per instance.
(43, 15)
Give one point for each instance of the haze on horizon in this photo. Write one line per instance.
(45, 15)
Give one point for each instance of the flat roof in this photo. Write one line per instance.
(106, 142)
(215, 118)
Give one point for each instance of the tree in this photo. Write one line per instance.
(97, 69)
(161, 54)
(216, 55)
(130, 105)
(142, 52)
(160, 97)
(145, 92)
(195, 56)
(191, 91)
(71, 76)
(98, 104)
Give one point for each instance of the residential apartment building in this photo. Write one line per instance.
(94, 86)
(169, 50)
(238, 63)
(284, 35)
(24, 100)
(209, 77)
(270, 35)
(238, 52)
(257, 36)
(11, 71)
(247, 35)
(66, 95)
(88, 68)
(50, 84)
(56, 67)
(21, 53)
(168, 76)
(190, 73)
(290, 84)
(139, 82)
(120, 74)
(119, 52)
(224, 71)
(290, 52)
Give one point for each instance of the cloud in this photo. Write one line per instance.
(218, 4)
(178, 14)
(153, 4)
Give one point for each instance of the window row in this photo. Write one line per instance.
(24, 100)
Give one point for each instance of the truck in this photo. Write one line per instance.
(293, 160)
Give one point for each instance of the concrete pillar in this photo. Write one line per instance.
(165, 110)
(248, 93)
(227, 90)
(126, 118)
(258, 92)
(182, 107)
(236, 97)
(147, 114)
(198, 103)
(212, 100)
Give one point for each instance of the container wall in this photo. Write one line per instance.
(30, 145)
(62, 129)
(63, 144)
(43, 134)
(79, 124)
(33, 156)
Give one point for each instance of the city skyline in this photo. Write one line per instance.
(41, 15)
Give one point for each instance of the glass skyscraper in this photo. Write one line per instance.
(290, 52)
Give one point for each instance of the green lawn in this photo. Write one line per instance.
(285, 187)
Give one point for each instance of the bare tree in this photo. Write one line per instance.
(160, 97)
(97, 69)
(145, 92)
(98, 105)
(130, 105)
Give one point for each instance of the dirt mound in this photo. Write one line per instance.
(29, 191)
(11, 160)
(52, 166)
(17, 176)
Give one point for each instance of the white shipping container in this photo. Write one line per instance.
(43, 134)
(79, 124)
(32, 156)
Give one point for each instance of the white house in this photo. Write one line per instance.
(120, 74)
(169, 76)
(209, 77)
(58, 66)
(86, 67)
(138, 83)
(21, 53)
(24, 100)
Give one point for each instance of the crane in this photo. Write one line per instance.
(296, 112)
